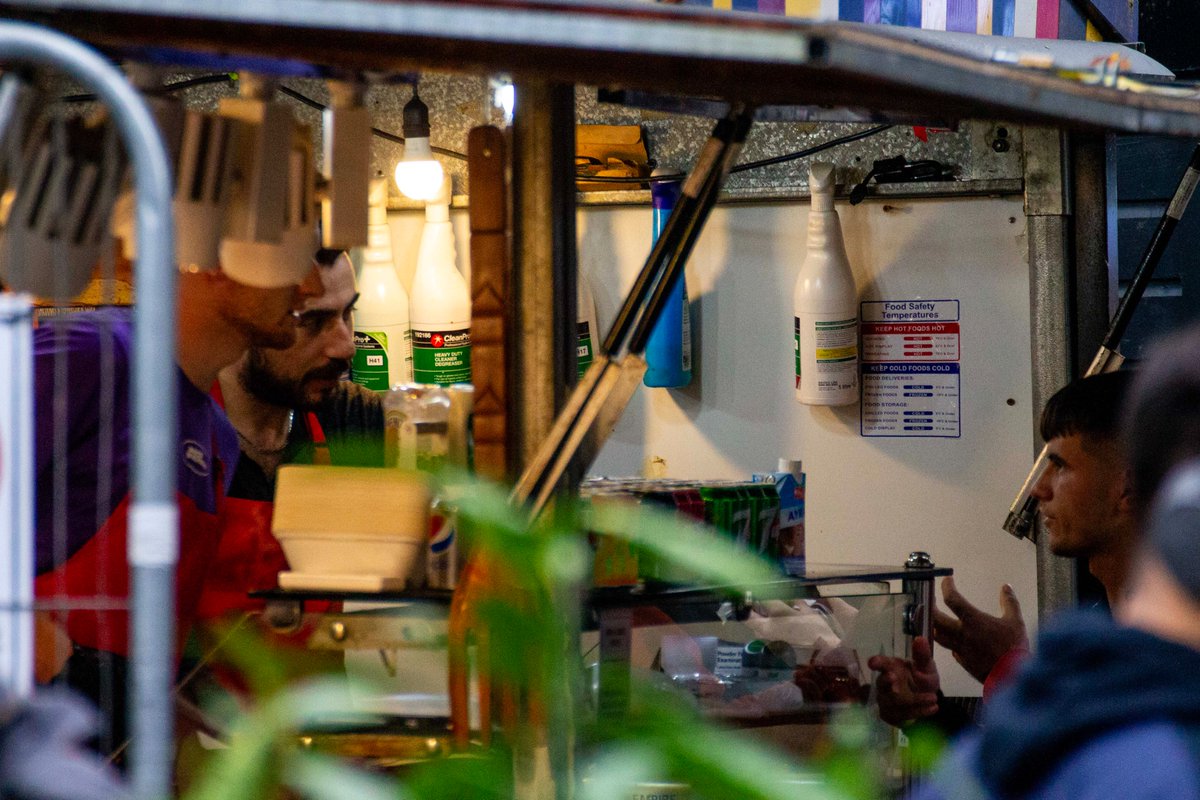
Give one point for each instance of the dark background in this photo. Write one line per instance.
(1145, 171)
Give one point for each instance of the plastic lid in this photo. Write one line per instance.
(793, 465)
(377, 202)
(664, 194)
(438, 209)
(820, 185)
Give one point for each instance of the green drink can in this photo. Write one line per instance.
(768, 519)
(715, 513)
(741, 517)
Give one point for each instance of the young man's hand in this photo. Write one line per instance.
(977, 639)
(907, 689)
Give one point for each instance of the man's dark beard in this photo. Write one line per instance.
(257, 378)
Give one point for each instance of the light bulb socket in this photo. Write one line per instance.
(416, 118)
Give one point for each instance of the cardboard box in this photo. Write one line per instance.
(610, 151)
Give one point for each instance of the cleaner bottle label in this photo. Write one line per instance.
(370, 365)
(796, 320)
(686, 336)
(583, 350)
(828, 371)
(442, 357)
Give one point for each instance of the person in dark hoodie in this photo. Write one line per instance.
(1110, 707)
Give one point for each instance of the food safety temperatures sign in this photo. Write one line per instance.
(910, 368)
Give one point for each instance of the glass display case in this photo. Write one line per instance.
(775, 655)
(777, 658)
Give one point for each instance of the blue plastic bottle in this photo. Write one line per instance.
(669, 348)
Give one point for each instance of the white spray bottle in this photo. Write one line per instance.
(382, 335)
(826, 303)
(441, 302)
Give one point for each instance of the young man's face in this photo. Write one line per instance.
(303, 375)
(1081, 495)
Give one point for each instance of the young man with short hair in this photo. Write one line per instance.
(1085, 500)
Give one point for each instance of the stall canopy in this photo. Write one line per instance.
(668, 48)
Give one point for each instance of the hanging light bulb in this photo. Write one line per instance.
(503, 97)
(417, 175)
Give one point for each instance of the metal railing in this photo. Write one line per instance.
(153, 523)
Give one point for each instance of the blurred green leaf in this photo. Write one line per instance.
(853, 766)
(487, 507)
(565, 562)
(321, 777)
(486, 775)
(245, 770)
(349, 450)
(716, 762)
(617, 771)
(925, 746)
(514, 635)
(691, 546)
(243, 648)
(252, 763)
(719, 763)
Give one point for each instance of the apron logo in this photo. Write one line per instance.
(195, 458)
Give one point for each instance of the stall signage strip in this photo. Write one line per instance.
(911, 377)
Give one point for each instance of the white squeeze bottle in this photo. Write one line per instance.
(382, 335)
(441, 302)
(588, 335)
(826, 302)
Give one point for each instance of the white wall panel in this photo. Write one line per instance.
(870, 500)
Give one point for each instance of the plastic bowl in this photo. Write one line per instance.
(335, 554)
(351, 520)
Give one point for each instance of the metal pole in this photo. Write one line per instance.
(544, 318)
(544, 269)
(153, 517)
(16, 494)
(1047, 212)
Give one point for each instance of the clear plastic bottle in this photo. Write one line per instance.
(399, 434)
(826, 303)
(382, 334)
(441, 302)
(430, 426)
(431, 422)
(461, 444)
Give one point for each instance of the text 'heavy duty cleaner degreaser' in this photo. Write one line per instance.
(382, 336)
(441, 303)
(826, 303)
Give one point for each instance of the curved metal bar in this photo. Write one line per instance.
(153, 523)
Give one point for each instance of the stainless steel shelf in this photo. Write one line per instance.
(667, 595)
(815, 575)
(683, 50)
(887, 191)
